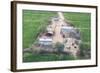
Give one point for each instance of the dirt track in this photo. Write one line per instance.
(57, 28)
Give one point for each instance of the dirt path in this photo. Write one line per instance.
(57, 37)
(60, 14)
(57, 28)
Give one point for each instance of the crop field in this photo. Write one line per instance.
(35, 22)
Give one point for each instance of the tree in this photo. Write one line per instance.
(59, 47)
(85, 51)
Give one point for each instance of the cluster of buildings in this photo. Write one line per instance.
(71, 39)
(70, 34)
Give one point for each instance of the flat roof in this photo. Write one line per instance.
(45, 39)
(66, 27)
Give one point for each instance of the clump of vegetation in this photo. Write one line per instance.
(85, 51)
(59, 47)
(30, 57)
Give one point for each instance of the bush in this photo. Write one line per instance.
(85, 51)
(59, 47)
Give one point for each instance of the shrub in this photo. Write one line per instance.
(85, 51)
(59, 46)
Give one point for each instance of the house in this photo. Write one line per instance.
(69, 31)
(56, 18)
(65, 28)
(44, 40)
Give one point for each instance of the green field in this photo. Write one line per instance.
(33, 23)
(36, 21)
(29, 57)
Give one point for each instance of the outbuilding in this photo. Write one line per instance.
(45, 41)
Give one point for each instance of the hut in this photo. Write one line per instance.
(69, 31)
(65, 28)
(44, 40)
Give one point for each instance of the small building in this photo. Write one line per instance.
(45, 40)
(65, 29)
(69, 31)
(56, 18)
